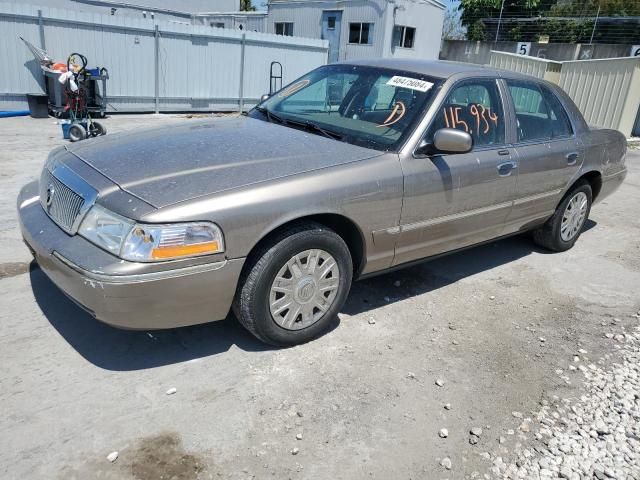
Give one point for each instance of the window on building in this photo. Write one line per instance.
(217, 24)
(360, 33)
(284, 28)
(403, 36)
(331, 23)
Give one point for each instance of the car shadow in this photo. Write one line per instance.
(126, 350)
(430, 275)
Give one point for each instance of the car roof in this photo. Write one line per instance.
(434, 68)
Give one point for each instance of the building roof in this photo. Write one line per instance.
(434, 68)
(436, 3)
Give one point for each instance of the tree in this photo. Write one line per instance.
(452, 29)
(471, 14)
(542, 19)
(613, 8)
(473, 11)
(247, 6)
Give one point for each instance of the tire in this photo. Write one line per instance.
(96, 128)
(259, 295)
(551, 235)
(77, 132)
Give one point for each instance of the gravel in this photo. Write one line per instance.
(112, 457)
(594, 436)
(446, 463)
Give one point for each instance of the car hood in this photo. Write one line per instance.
(167, 165)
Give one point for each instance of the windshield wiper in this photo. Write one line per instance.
(307, 125)
(323, 131)
(271, 116)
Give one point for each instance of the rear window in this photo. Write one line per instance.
(539, 113)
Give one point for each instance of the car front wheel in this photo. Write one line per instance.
(295, 285)
(562, 230)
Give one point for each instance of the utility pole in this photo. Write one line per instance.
(499, 21)
(594, 25)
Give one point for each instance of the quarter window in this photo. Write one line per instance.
(473, 106)
(560, 124)
(360, 33)
(284, 28)
(403, 36)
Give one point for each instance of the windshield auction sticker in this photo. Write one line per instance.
(411, 83)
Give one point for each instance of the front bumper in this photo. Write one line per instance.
(147, 299)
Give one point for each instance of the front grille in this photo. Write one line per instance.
(60, 202)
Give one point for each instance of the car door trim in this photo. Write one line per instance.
(467, 213)
(537, 196)
(453, 217)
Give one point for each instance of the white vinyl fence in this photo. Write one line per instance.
(607, 91)
(153, 66)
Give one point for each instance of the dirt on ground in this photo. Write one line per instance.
(459, 343)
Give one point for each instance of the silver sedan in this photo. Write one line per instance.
(351, 170)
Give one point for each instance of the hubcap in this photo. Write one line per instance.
(304, 289)
(574, 216)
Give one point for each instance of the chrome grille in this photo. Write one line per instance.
(60, 202)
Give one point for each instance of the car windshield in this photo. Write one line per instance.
(367, 106)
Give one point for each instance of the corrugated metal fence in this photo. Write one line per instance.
(607, 91)
(161, 66)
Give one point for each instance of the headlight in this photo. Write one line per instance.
(105, 229)
(163, 242)
(148, 243)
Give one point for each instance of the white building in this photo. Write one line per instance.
(363, 28)
(180, 11)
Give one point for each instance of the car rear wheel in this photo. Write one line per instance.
(562, 230)
(295, 285)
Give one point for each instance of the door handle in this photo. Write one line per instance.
(503, 152)
(572, 158)
(505, 169)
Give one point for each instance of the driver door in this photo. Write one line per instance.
(452, 201)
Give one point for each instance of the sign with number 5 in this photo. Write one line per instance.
(523, 48)
(635, 51)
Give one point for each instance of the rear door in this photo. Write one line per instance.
(548, 152)
(456, 200)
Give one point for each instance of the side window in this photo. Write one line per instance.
(532, 113)
(475, 107)
(560, 124)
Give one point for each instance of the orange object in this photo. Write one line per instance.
(59, 67)
(184, 250)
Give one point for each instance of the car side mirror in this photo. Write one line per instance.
(446, 140)
(264, 97)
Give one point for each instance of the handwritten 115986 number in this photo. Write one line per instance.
(484, 118)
